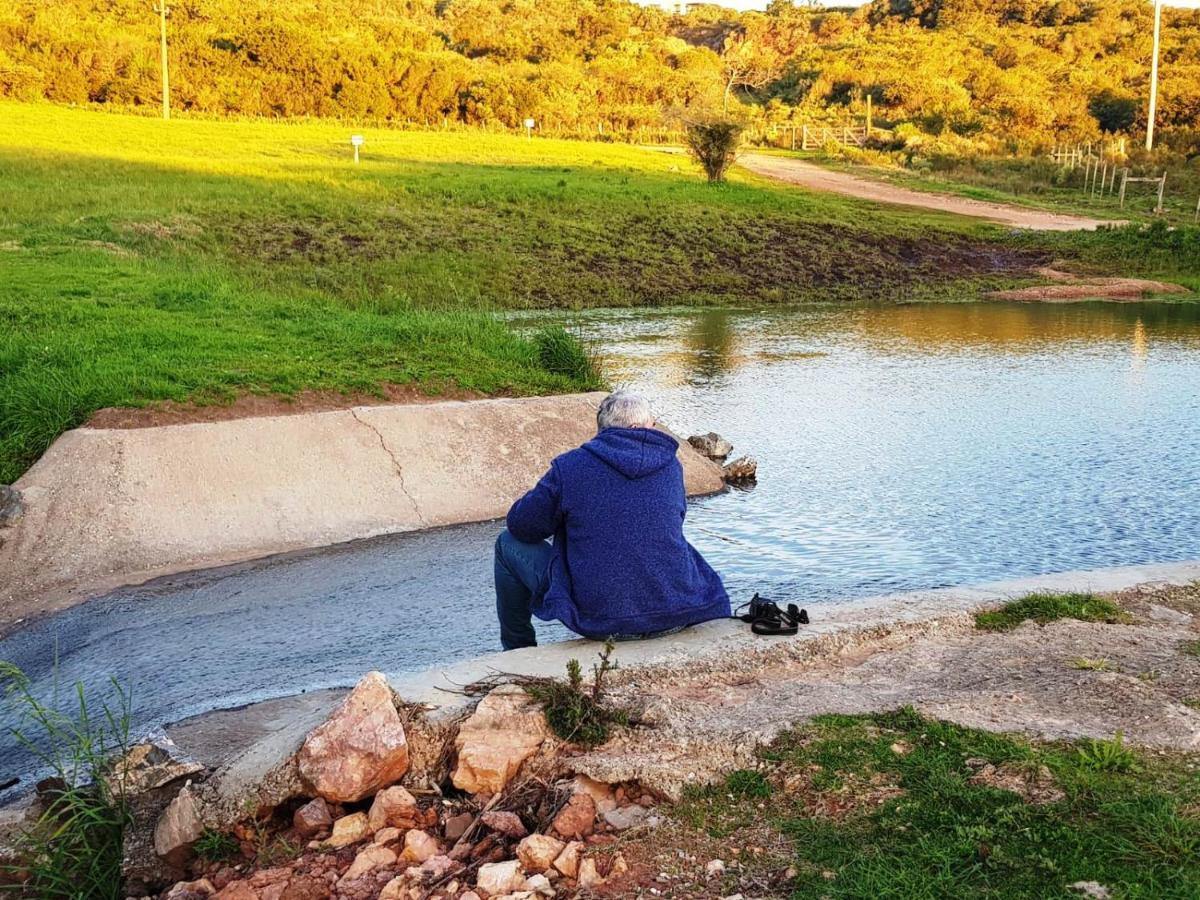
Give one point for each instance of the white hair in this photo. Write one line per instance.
(624, 409)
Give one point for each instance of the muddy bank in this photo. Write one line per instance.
(1064, 287)
(105, 507)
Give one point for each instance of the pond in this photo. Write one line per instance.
(899, 448)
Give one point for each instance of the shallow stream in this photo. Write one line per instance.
(899, 448)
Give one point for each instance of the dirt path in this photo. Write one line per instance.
(805, 174)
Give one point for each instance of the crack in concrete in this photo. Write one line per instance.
(395, 464)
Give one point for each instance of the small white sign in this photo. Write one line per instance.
(529, 123)
(356, 140)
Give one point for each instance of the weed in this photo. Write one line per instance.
(1190, 648)
(1043, 608)
(1108, 755)
(1191, 702)
(1091, 665)
(747, 783)
(216, 846)
(562, 353)
(576, 712)
(74, 848)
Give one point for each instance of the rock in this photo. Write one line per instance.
(500, 878)
(360, 749)
(396, 807)
(540, 885)
(505, 730)
(149, 766)
(711, 445)
(312, 818)
(11, 506)
(367, 860)
(348, 830)
(456, 826)
(237, 890)
(419, 846)
(601, 793)
(715, 868)
(567, 862)
(578, 818)
(589, 875)
(507, 823)
(538, 852)
(179, 827)
(396, 889)
(470, 895)
(150, 775)
(742, 470)
(434, 868)
(1091, 889)
(387, 835)
(189, 890)
(626, 817)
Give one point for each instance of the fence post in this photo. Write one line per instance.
(1162, 183)
(1124, 181)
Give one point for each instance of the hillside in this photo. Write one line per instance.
(1000, 74)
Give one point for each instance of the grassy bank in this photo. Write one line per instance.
(143, 261)
(895, 805)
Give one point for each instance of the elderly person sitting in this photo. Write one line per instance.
(619, 565)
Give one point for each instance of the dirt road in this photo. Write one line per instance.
(805, 174)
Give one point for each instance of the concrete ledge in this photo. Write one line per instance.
(715, 642)
(110, 507)
(248, 743)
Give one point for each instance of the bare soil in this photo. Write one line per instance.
(250, 406)
(805, 174)
(1035, 680)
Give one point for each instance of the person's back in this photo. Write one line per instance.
(620, 565)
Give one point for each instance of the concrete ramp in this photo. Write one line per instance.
(120, 506)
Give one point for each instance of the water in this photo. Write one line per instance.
(899, 448)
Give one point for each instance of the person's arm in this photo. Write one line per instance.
(536, 516)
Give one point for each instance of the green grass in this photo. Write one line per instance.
(1125, 821)
(144, 261)
(1191, 648)
(1043, 608)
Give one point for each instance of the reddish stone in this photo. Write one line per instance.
(577, 819)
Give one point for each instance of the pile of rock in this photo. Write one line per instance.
(743, 470)
(495, 831)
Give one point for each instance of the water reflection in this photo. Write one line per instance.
(712, 344)
(914, 446)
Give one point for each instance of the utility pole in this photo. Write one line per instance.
(1154, 76)
(162, 11)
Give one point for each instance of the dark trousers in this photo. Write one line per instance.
(522, 576)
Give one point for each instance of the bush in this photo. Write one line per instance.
(714, 144)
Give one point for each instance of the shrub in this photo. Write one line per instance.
(714, 144)
(74, 848)
(576, 713)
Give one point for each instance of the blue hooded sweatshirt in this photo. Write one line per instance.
(621, 565)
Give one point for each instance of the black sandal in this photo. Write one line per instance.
(767, 619)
